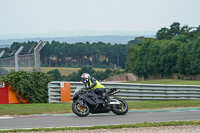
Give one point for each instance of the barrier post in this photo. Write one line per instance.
(65, 92)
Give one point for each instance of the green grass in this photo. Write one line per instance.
(168, 81)
(40, 108)
(163, 104)
(136, 125)
(27, 109)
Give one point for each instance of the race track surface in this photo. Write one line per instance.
(70, 119)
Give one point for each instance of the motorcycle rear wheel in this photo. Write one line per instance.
(121, 109)
(79, 110)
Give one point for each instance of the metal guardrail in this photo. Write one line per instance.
(131, 91)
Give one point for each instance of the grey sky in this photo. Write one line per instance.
(44, 16)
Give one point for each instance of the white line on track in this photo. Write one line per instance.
(175, 111)
(6, 117)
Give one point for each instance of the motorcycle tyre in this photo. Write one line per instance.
(78, 113)
(116, 111)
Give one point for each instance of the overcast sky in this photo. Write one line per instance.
(44, 16)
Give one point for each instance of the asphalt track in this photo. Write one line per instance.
(71, 120)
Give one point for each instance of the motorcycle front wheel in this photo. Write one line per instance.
(120, 109)
(80, 110)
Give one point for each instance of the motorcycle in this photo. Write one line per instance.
(88, 101)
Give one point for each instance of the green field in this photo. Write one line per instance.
(66, 70)
(168, 81)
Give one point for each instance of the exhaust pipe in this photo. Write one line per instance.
(115, 92)
(114, 101)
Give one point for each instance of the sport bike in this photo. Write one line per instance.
(88, 101)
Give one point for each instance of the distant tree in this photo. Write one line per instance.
(162, 34)
(56, 75)
(186, 30)
(99, 75)
(165, 33)
(136, 41)
(174, 29)
(195, 33)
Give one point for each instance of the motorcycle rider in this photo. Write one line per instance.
(92, 83)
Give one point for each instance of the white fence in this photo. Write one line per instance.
(130, 91)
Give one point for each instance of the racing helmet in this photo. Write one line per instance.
(85, 77)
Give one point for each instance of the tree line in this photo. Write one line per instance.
(173, 50)
(57, 54)
(96, 54)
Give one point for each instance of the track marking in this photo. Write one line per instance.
(194, 110)
(6, 117)
(175, 111)
(168, 110)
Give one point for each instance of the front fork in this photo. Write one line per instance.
(81, 103)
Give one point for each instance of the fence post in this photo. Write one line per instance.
(16, 58)
(37, 54)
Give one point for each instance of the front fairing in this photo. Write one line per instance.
(76, 93)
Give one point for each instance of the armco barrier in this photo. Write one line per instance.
(59, 92)
(131, 91)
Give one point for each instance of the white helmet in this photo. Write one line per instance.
(85, 77)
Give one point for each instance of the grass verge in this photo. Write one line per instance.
(136, 125)
(163, 104)
(40, 108)
(168, 81)
(27, 109)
